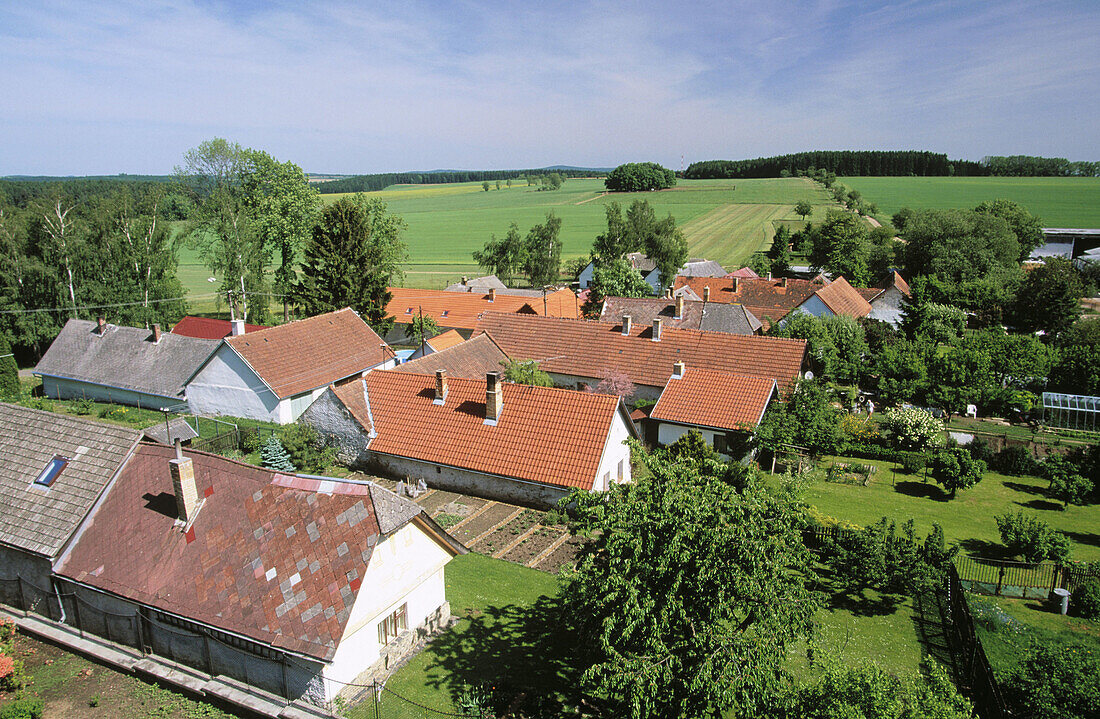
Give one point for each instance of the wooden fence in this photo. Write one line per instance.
(972, 666)
(222, 443)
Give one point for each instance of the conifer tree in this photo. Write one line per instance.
(274, 455)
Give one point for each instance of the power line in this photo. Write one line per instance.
(115, 304)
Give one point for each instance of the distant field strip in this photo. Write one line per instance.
(731, 233)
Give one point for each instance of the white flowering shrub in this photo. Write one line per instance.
(912, 430)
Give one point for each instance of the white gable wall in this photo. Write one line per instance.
(585, 277)
(615, 454)
(812, 306)
(226, 385)
(405, 568)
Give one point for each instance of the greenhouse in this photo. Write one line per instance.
(1071, 411)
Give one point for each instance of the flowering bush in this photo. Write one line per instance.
(859, 430)
(7, 630)
(912, 429)
(11, 673)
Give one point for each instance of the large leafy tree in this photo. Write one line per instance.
(351, 260)
(956, 469)
(902, 370)
(1027, 227)
(614, 278)
(1057, 681)
(542, 252)
(837, 344)
(504, 257)
(667, 248)
(806, 419)
(616, 241)
(639, 177)
(691, 593)
(842, 247)
(1049, 298)
(526, 372)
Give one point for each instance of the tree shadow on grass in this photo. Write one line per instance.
(1026, 488)
(862, 603)
(1084, 537)
(983, 548)
(919, 489)
(1041, 504)
(929, 620)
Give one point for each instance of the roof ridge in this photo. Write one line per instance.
(294, 322)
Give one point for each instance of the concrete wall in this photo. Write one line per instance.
(25, 582)
(226, 385)
(812, 306)
(334, 422)
(405, 568)
(56, 388)
(887, 307)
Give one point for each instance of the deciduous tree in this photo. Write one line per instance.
(955, 469)
(803, 208)
(615, 278)
(639, 177)
(543, 252)
(526, 372)
(504, 257)
(1049, 298)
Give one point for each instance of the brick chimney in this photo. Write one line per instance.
(784, 285)
(492, 294)
(237, 327)
(706, 294)
(679, 307)
(494, 397)
(465, 280)
(101, 324)
(678, 370)
(656, 329)
(440, 386)
(183, 484)
(736, 280)
(156, 333)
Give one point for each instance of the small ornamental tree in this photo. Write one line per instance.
(617, 383)
(421, 328)
(1066, 482)
(274, 456)
(956, 469)
(306, 449)
(912, 430)
(804, 208)
(1027, 536)
(526, 372)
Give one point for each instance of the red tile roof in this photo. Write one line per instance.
(460, 310)
(595, 349)
(208, 328)
(714, 399)
(843, 299)
(764, 298)
(310, 353)
(277, 564)
(746, 272)
(546, 435)
(448, 339)
(472, 359)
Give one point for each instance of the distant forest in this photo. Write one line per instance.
(371, 183)
(890, 163)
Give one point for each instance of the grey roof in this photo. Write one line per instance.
(126, 358)
(472, 359)
(702, 268)
(38, 519)
(502, 289)
(698, 315)
(1053, 249)
(640, 262)
(177, 428)
(393, 512)
(477, 283)
(731, 318)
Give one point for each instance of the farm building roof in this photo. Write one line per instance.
(474, 358)
(545, 435)
(274, 557)
(719, 400)
(310, 353)
(176, 428)
(763, 298)
(707, 316)
(596, 349)
(460, 310)
(209, 328)
(702, 268)
(125, 358)
(843, 299)
(38, 518)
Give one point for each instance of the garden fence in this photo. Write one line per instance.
(221, 443)
(971, 665)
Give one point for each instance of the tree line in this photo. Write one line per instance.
(873, 163)
(1028, 166)
(372, 183)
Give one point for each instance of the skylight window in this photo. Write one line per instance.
(52, 471)
(409, 311)
(446, 312)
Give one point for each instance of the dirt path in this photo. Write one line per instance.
(602, 194)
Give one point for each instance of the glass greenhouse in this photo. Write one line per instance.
(1071, 411)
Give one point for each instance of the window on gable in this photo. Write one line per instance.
(52, 470)
(392, 626)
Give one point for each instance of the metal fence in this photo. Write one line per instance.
(974, 672)
(221, 443)
(1019, 579)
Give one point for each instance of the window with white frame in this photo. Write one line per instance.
(392, 626)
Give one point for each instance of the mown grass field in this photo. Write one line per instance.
(1058, 201)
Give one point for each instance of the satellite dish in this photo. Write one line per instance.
(808, 375)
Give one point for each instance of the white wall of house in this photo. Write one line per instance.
(615, 463)
(812, 306)
(59, 388)
(226, 385)
(653, 279)
(465, 481)
(584, 279)
(887, 307)
(405, 568)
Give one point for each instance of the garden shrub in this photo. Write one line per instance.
(1085, 601)
(955, 469)
(1015, 461)
(912, 429)
(114, 411)
(23, 708)
(1062, 681)
(913, 462)
(249, 440)
(980, 449)
(1031, 538)
(274, 455)
(82, 406)
(306, 451)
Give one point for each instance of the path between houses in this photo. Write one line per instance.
(498, 529)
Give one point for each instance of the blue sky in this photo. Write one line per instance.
(108, 87)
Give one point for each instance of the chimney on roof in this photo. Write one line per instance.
(678, 370)
(784, 285)
(494, 397)
(156, 332)
(237, 327)
(656, 329)
(626, 325)
(465, 280)
(735, 281)
(101, 324)
(668, 292)
(706, 294)
(492, 294)
(440, 386)
(183, 484)
(769, 275)
(680, 307)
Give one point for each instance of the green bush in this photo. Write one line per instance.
(23, 708)
(82, 406)
(1033, 539)
(249, 439)
(913, 462)
(1061, 682)
(1015, 461)
(306, 451)
(1085, 602)
(979, 449)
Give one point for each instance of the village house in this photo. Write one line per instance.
(472, 359)
(210, 328)
(886, 304)
(255, 580)
(459, 311)
(682, 313)
(442, 341)
(486, 437)
(274, 374)
(55, 468)
(577, 353)
(647, 268)
(124, 365)
(725, 408)
(835, 298)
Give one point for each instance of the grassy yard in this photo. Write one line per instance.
(1058, 201)
(967, 519)
(1007, 626)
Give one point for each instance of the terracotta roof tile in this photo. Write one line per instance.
(448, 339)
(310, 353)
(697, 315)
(714, 399)
(472, 359)
(595, 349)
(842, 299)
(264, 550)
(546, 435)
(209, 328)
(460, 310)
(763, 298)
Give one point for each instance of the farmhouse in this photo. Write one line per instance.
(275, 374)
(486, 437)
(125, 365)
(459, 311)
(579, 352)
(55, 468)
(209, 328)
(647, 268)
(472, 359)
(291, 585)
(682, 313)
(835, 298)
(886, 304)
(725, 408)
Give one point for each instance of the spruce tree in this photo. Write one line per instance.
(274, 455)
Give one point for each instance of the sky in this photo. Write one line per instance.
(109, 87)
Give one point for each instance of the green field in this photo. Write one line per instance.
(1058, 201)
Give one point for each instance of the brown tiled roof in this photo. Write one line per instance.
(595, 349)
(546, 435)
(746, 272)
(450, 338)
(306, 354)
(894, 279)
(868, 293)
(472, 359)
(279, 564)
(714, 399)
(842, 299)
(208, 328)
(461, 309)
(697, 315)
(762, 297)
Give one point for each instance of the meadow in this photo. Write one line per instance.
(1058, 201)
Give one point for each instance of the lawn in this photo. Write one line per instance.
(1007, 626)
(1058, 201)
(967, 519)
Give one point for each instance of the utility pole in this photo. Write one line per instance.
(421, 310)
